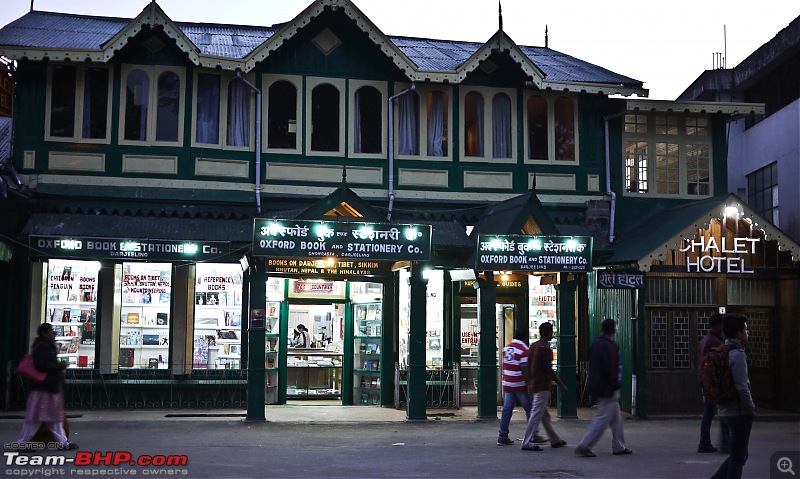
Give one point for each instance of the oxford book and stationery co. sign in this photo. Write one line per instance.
(534, 253)
(127, 248)
(337, 239)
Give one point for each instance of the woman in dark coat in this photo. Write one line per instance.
(46, 398)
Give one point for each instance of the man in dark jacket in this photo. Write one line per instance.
(711, 340)
(605, 374)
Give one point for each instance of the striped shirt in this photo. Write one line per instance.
(515, 359)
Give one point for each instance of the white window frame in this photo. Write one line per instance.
(225, 79)
(422, 92)
(352, 87)
(80, 71)
(153, 72)
(340, 84)
(488, 95)
(550, 98)
(267, 81)
(682, 140)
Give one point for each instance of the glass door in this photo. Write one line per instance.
(367, 320)
(271, 349)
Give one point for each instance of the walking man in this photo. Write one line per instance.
(712, 339)
(605, 374)
(737, 414)
(515, 388)
(540, 383)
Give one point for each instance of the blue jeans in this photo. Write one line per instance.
(510, 400)
(739, 427)
(709, 410)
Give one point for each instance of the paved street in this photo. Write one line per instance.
(327, 441)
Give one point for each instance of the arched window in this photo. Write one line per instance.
(473, 124)
(501, 126)
(325, 118)
(537, 128)
(167, 111)
(238, 113)
(565, 129)
(437, 123)
(368, 120)
(282, 115)
(408, 124)
(137, 95)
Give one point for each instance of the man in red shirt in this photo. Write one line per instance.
(515, 387)
(540, 381)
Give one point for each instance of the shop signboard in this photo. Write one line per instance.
(729, 256)
(534, 253)
(127, 248)
(337, 239)
(6, 91)
(327, 267)
(607, 279)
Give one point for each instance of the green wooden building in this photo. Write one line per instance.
(168, 160)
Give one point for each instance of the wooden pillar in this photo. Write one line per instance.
(416, 391)
(109, 296)
(487, 346)
(256, 369)
(567, 358)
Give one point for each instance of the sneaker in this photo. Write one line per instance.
(702, 448)
(623, 452)
(505, 442)
(532, 447)
(560, 443)
(537, 439)
(580, 451)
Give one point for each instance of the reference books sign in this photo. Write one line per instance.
(142, 249)
(534, 253)
(364, 241)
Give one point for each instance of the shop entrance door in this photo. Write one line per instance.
(315, 342)
(506, 314)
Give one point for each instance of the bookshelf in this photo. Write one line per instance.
(144, 336)
(367, 353)
(271, 347)
(72, 309)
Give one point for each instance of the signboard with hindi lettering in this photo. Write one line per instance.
(534, 253)
(6, 91)
(337, 239)
(607, 279)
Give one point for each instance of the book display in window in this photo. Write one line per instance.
(72, 308)
(218, 316)
(367, 353)
(144, 333)
(272, 328)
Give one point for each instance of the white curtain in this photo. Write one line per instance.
(208, 109)
(238, 114)
(501, 126)
(436, 125)
(408, 124)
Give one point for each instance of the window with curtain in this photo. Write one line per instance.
(473, 124)
(565, 129)
(408, 124)
(368, 120)
(62, 101)
(537, 128)
(282, 115)
(169, 91)
(325, 118)
(238, 125)
(501, 126)
(437, 103)
(208, 105)
(137, 96)
(95, 103)
(698, 169)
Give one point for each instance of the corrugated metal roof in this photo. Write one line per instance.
(67, 31)
(5, 137)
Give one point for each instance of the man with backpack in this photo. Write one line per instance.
(737, 414)
(711, 340)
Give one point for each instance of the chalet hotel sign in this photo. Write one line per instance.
(726, 256)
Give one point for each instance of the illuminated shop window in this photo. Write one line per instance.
(144, 333)
(217, 339)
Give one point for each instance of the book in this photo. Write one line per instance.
(73, 345)
(132, 318)
(152, 363)
(163, 298)
(126, 358)
(150, 340)
(149, 318)
(74, 315)
(162, 319)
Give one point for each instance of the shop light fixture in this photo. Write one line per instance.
(731, 212)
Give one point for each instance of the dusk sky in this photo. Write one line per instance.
(667, 45)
